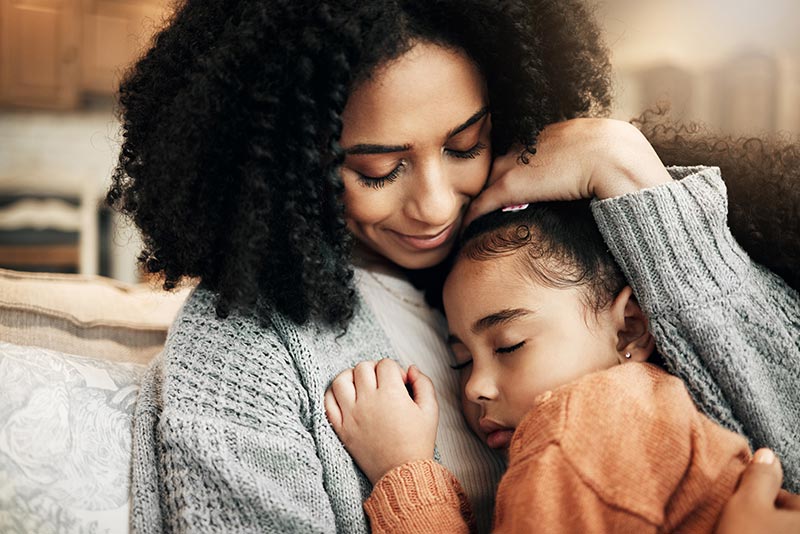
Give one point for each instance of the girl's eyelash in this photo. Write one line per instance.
(376, 182)
(459, 366)
(472, 153)
(506, 350)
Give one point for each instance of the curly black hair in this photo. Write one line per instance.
(762, 175)
(229, 163)
(560, 246)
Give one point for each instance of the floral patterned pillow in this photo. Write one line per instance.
(65, 441)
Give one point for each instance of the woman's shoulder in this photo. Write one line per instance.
(225, 367)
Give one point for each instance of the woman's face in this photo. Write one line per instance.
(417, 141)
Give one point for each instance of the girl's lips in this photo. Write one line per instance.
(499, 439)
(425, 242)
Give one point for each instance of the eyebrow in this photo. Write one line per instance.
(362, 149)
(502, 317)
(498, 318)
(478, 115)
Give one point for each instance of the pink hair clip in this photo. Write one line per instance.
(517, 207)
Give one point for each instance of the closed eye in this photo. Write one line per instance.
(459, 366)
(376, 182)
(506, 350)
(472, 153)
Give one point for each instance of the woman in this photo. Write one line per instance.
(260, 138)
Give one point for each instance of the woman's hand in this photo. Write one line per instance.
(380, 424)
(759, 505)
(577, 158)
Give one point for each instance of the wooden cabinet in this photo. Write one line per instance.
(39, 53)
(115, 33)
(53, 51)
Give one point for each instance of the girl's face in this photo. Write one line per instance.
(417, 139)
(515, 339)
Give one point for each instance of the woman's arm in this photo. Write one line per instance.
(729, 328)
(221, 442)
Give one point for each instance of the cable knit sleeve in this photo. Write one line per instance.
(221, 442)
(725, 325)
(419, 498)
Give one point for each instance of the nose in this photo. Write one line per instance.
(432, 198)
(480, 386)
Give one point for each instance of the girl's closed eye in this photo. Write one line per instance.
(460, 366)
(511, 348)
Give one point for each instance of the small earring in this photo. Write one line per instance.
(627, 355)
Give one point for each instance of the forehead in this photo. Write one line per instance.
(427, 86)
(476, 288)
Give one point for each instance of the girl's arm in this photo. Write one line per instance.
(390, 432)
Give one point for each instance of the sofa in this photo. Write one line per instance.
(73, 350)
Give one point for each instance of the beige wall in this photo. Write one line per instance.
(734, 64)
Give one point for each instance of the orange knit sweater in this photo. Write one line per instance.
(621, 450)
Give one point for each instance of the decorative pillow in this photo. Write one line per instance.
(86, 315)
(65, 441)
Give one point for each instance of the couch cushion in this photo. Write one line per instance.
(65, 441)
(87, 315)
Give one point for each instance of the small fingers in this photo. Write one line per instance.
(344, 390)
(389, 374)
(333, 411)
(364, 377)
(422, 388)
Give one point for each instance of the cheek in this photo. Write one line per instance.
(471, 411)
(476, 175)
(367, 206)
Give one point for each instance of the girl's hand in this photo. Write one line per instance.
(577, 158)
(380, 424)
(759, 505)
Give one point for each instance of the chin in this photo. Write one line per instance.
(422, 260)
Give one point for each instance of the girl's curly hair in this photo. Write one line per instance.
(231, 120)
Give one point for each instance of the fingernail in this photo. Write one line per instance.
(764, 456)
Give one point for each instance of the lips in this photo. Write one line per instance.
(429, 241)
(497, 435)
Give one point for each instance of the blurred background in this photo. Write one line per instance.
(733, 65)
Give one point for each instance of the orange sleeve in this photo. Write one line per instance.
(419, 497)
(546, 494)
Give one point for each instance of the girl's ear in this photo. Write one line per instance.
(634, 341)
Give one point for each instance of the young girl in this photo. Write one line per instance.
(552, 350)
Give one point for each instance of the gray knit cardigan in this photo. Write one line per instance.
(230, 433)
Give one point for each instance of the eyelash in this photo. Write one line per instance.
(376, 182)
(472, 153)
(500, 350)
(506, 350)
(459, 366)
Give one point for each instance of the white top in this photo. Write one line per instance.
(418, 335)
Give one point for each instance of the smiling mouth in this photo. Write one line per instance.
(427, 242)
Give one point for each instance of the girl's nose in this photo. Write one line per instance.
(481, 386)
